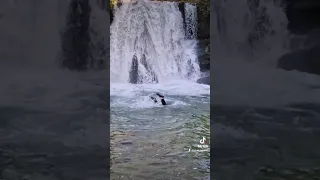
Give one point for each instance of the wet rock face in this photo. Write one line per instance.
(181, 9)
(204, 80)
(134, 75)
(134, 71)
(76, 38)
(149, 69)
(303, 15)
(203, 56)
(203, 29)
(304, 60)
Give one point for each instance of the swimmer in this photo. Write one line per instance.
(161, 98)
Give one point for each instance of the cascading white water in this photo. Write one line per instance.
(149, 42)
(253, 30)
(191, 21)
(154, 33)
(30, 31)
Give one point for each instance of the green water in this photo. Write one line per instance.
(161, 142)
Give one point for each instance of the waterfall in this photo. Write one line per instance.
(30, 31)
(252, 30)
(149, 43)
(191, 20)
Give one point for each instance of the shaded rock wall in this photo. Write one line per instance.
(303, 16)
(85, 40)
(76, 38)
(303, 60)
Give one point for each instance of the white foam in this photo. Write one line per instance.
(243, 71)
(180, 88)
(153, 30)
(138, 95)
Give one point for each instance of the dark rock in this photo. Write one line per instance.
(204, 63)
(203, 28)
(315, 58)
(305, 60)
(126, 143)
(302, 15)
(201, 48)
(295, 61)
(204, 80)
(134, 76)
(103, 4)
(203, 57)
(313, 37)
(144, 62)
(111, 15)
(76, 38)
(306, 5)
(181, 9)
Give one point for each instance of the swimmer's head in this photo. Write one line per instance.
(154, 99)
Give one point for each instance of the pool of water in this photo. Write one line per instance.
(265, 143)
(151, 141)
(51, 130)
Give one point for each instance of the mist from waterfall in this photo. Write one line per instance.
(149, 41)
(251, 30)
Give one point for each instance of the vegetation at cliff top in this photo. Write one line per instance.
(203, 6)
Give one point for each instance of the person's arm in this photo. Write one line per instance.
(163, 101)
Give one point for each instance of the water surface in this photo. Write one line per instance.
(151, 141)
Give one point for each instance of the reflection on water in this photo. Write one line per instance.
(161, 142)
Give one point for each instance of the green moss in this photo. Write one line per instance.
(113, 3)
(204, 10)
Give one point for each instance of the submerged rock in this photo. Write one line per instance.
(204, 80)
